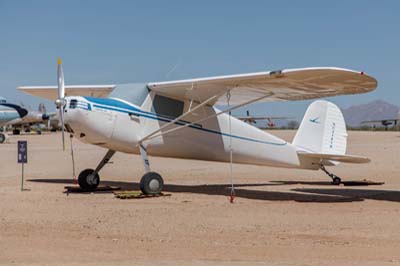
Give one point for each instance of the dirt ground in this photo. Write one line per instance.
(280, 216)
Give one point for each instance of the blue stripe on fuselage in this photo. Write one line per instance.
(118, 106)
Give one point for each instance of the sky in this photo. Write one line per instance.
(111, 42)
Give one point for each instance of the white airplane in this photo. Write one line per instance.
(250, 119)
(178, 119)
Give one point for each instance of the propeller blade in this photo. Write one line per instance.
(60, 102)
(62, 126)
(60, 76)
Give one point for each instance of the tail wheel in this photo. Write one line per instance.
(88, 179)
(336, 181)
(151, 183)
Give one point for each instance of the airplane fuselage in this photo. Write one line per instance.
(7, 115)
(119, 125)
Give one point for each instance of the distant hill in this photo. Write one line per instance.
(375, 110)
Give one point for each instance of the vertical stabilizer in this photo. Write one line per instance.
(322, 130)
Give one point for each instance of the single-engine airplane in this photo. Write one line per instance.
(384, 122)
(250, 119)
(179, 119)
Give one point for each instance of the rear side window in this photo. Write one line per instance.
(167, 107)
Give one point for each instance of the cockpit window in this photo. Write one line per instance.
(73, 104)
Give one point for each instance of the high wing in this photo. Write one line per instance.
(50, 92)
(282, 85)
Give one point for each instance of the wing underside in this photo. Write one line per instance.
(50, 92)
(282, 85)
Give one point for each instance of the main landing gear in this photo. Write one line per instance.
(335, 179)
(150, 184)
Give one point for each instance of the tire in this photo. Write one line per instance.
(86, 181)
(151, 183)
(16, 132)
(2, 138)
(39, 132)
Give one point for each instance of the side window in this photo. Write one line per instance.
(73, 104)
(167, 107)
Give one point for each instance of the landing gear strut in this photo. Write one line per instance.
(89, 179)
(151, 183)
(335, 179)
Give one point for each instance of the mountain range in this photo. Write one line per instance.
(376, 110)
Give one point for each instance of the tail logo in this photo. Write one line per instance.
(315, 120)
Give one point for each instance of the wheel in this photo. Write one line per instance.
(2, 138)
(28, 130)
(16, 131)
(151, 183)
(88, 179)
(39, 132)
(336, 181)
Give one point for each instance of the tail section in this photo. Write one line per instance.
(322, 137)
(323, 130)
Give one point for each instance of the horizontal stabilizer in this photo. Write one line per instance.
(327, 159)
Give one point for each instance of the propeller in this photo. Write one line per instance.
(60, 102)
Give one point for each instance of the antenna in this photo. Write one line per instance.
(173, 68)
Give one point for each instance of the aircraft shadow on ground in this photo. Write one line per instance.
(297, 194)
(308, 183)
(371, 194)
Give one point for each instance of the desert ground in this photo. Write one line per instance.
(279, 217)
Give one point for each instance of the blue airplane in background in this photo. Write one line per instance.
(18, 118)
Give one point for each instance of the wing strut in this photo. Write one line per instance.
(232, 196)
(200, 120)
